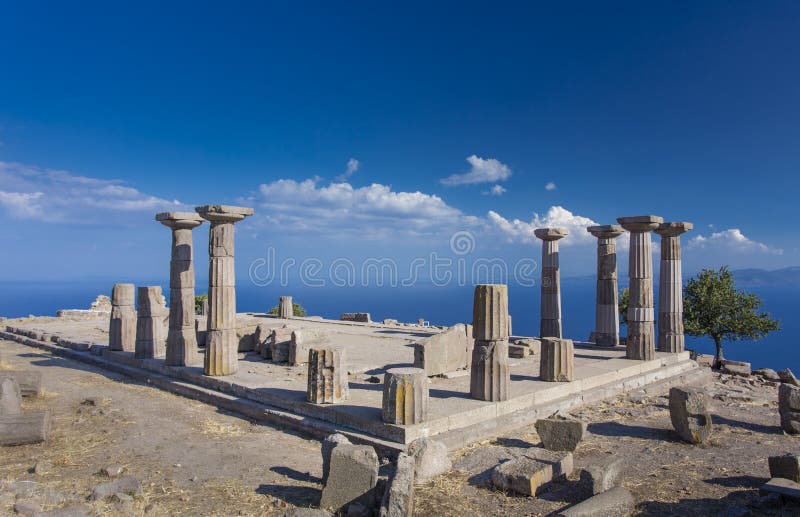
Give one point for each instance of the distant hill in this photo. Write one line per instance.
(788, 276)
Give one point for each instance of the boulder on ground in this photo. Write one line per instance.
(768, 374)
(616, 502)
(735, 367)
(126, 485)
(527, 474)
(603, 474)
(398, 498)
(704, 359)
(430, 459)
(9, 396)
(352, 477)
(328, 444)
(788, 377)
(786, 467)
(789, 407)
(24, 428)
(688, 410)
(559, 433)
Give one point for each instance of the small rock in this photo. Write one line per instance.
(560, 434)
(127, 485)
(767, 374)
(91, 401)
(193, 479)
(121, 497)
(150, 508)
(786, 467)
(112, 471)
(21, 489)
(430, 458)
(27, 508)
(41, 468)
(786, 376)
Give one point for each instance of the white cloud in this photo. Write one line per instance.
(497, 190)
(481, 171)
(550, 186)
(352, 167)
(732, 240)
(517, 230)
(59, 196)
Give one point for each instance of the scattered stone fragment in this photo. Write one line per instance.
(784, 487)
(767, 374)
(328, 444)
(41, 467)
(527, 474)
(446, 352)
(398, 498)
(534, 345)
(361, 317)
(303, 341)
(603, 474)
(9, 397)
(616, 502)
(788, 377)
(430, 459)
(786, 467)
(352, 476)
(689, 413)
(735, 367)
(518, 351)
(27, 508)
(126, 485)
(560, 434)
(24, 428)
(112, 471)
(789, 407)
(30, 383)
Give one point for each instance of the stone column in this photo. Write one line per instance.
(606, 326)
(490, 376)
(670, 287)
(327, 376)
(182, 336)
(150, 324)
(551, 281)
(557, 363)
(285, 309)
(405, 396)
(221, 345)
(641, 313)
(122, 327)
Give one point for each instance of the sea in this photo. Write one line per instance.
(436, 304)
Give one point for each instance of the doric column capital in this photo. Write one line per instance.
(673, 229)
(179, 220)
(606, 231)
(640, 223)
(551, 234)
(223, 213)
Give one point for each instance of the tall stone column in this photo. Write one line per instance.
(221, 344)
(182, 336)
(670, 287)
(551, 281)
(641, 313)
(490, 375)
(285, 307)
(606, 326)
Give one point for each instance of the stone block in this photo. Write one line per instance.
(603, 474)
(430, 459)
(123, 294)
(405, 396)
(24, 428)
(735, 367)
(616, 502)
(398, 498)
(360, 317)
(490, 312)
(640, 344)
(327, 376)
(285, 307)
(557, 363)
(534, 345)
(704, 359)
(786, 467)
(788, 377)
(518, 351)
(688, 411)
(29, 382)
(768, 374)
(783, 487)
(10, 396)
(328, 444)
(560, 434)
(445, 352)
(221, 356)
(789, 408)
(302, 341)
(352, 477)
(490, 375)
(527, 474)
(122, 328)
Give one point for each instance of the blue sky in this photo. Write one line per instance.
(359, 129)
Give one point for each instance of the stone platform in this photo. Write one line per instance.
(277, 393)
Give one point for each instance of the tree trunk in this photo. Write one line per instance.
(719, 357)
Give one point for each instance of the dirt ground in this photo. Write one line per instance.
(194, 460)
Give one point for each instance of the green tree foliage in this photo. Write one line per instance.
(624, 300)
(297, 310)
(713, 307)
(198, 302)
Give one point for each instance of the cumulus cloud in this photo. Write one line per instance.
(497, 190)
(516, 230)
(352, 167)
(550, 186)
(481, 171)
(732, 240)
(59, 196)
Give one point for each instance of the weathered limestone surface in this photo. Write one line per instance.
(24, 428)
(352, 477)
(122, 325)
(405, 396)
(285, 308)
(789, 407)
(688, 410)
(398, 499)
(29, 382)
(616, 502)
(446, 352)
(640, 343)
(10, 397)
(150, 338)
(221, 344)
(603, 474)
(328, 444)
(430, 459)
(302, 341)
(670, 287)
(361, 317)
(557, 363)
(327, 376)
(551, 281)
(490, 375)
(606, 329)
(279, 341)
(527, 474)
(560, 434)
(181, 337)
